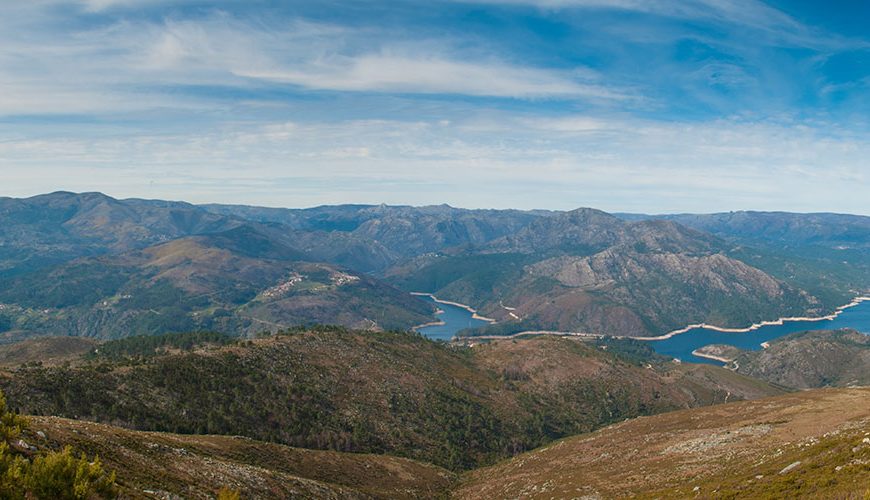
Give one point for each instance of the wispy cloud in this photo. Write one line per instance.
(625, 104)
(110, 66)
(386, 72)
(495, 161)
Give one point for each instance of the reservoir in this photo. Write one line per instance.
(681, 346)
(455, 318)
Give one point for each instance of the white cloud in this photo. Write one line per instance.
(112, 67)
(432, 75)
(149, 138)
(505, 160)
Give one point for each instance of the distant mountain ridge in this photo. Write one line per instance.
(53, 228)
(827, 254)
(583, 270)
(92, 265)
(395, 233)
(590, 271)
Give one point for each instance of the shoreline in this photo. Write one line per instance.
(424, 325)
(755, 326)
(470, 309)
(711, 356)
(535, 332)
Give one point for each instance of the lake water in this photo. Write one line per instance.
(455, 318)
(681, 346)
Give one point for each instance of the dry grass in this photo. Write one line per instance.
(49, 351)
(152, 464)
(724, 451)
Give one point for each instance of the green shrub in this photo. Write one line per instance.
(61, 476)
(52, 475)
(226, 493)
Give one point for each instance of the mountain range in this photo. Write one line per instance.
(90, 265)
(253, 397)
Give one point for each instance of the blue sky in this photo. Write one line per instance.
(623, 105)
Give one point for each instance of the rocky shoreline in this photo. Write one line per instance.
(756, 326)
(450, 303)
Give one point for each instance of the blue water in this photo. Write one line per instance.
(681, 346)
(454, 318)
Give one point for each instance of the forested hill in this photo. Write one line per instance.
(395, 393)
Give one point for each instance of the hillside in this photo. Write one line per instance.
(239, 281)
(157, 465)
(823, 253)
(372, 238)
(811, 359)
(809, 444)
(50, 229)
(372, 392)
(48, 351)
(91, 265)
(589, 271)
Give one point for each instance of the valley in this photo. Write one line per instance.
(451, 319)
(370, 392)
(416, 352)
(449, 250)
(145, 266)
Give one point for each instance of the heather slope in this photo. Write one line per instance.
(808, 444)
(153, 465)
(392, 393)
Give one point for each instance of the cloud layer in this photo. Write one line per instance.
(627, 105)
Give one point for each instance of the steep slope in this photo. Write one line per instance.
(238, 281)
(394, 393)
(809, 445)
(53, 228)
(825, 254)
(811, 359)
(589, 271)
(163, 465)
(47, 351)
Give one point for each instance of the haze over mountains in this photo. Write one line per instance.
(90, 265)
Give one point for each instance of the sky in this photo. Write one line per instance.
(651, 106)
